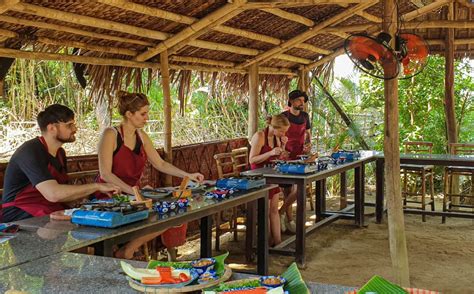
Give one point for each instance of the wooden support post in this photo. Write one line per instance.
(303, 83)
(449, 81)
(253, 100)
(396, 224)
(165, 83)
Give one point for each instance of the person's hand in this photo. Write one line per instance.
(276, 151)
(147, 187)
(109, 189)
(196, 177)
(285, 155)
(284, 140)
(307, 148)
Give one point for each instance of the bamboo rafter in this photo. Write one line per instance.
(201, 60)
(196, 29)
(13, 53)
(61, 28)
(7, 4)
(369, 17)
(311, 32)
(289, 4)
(123, 51)
(289, 16)
(156, 12)
(88, 21)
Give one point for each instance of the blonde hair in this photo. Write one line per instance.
(130, 102)
(279, 121)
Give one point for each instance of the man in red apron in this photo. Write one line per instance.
(35, 182)
(299, 142)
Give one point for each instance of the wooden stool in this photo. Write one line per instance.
(465, 201)
(423, 173)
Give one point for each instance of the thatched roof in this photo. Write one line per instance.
(117, 39)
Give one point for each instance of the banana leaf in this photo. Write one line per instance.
(294, 281)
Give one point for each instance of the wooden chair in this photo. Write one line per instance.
(464, 199)
(230, 164)
(417, 173)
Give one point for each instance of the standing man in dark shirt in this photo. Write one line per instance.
(36, 178)
(299, 142)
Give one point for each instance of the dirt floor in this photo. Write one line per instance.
(441, 255)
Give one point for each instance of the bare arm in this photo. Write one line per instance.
(55, 192)
(107, 145)
(256, 146)
(163, 166)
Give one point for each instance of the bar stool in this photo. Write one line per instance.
(466, 195)
(422, 173)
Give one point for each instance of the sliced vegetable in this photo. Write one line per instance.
(151, 280)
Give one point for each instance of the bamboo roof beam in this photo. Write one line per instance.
(224, 47)
(351, 28)
(215, 18)
(423, 10)
(290, 16)
(341, 35)
(8, 33)
(151, 11)
(5, 5)
(61, 28)
(436, 24)
(313, 48)
(86, 46)
(311, 32)
(247, 34)
(13, 53)
(89, 21)
(191, 59)
(375, 28)
(156, 12)
(369, 17)
(289, 4)
(293, 58)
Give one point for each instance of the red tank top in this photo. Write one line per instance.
(265, 148)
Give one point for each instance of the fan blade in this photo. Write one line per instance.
(372, 55)
(416, 57)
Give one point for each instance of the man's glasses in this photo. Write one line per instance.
(69, 125)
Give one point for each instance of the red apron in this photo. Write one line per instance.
(31, 200)
(266, 148)
(126, 165)
(295, 144)
(129, 166)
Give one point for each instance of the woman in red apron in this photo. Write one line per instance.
(268, 145)
(123, 153)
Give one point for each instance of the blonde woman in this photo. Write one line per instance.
(267, 145)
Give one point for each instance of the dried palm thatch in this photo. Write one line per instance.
(117, 40)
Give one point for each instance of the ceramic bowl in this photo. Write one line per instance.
(272, 281)
(203, 265)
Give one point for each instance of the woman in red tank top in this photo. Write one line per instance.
(123, 153)
(267, 145)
